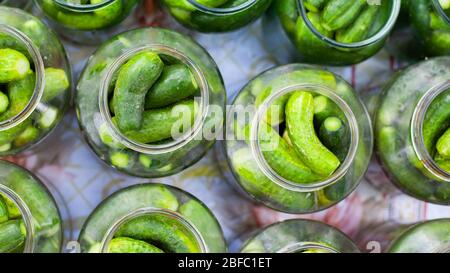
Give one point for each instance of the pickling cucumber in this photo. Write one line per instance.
(4, 102)
(314, 5)
(13, 65)
(175, 83)
(359, 30)
(436, 121)
(30, 134)
(299, 120)
(13, 210)
(338, 14)
(443, 145)
(12, 235)
(129, 245)
(325, 108)
(3, 211)
(133, 82)
(334, 135)
(56, 82)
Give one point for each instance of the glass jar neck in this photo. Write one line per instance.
(38, 62)
(27, 217)
(417, 122)
(82, 7)
(311, 247)
(438, 8)
(179, 219)
(179, 142)
(274, 176)
(381, 34)
(222, 11)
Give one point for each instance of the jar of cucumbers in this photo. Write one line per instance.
(23, 4)
(298, 139)
(412, 130)
(150, 102)
(29, 218)
(216, 16)
(86, 21)
(35, 81)
(431, 22)
(299, 236)
(152, 218)
(427, 237)
(330, 32)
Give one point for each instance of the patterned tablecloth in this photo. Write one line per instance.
(80, 181)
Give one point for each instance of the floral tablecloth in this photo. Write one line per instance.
(80, 181)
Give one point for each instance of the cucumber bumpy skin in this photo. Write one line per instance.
(299, 120)
(339, 14)
(12, 235)
(13, 65)
(436, 121)
(133, 82)
(359, 30)
(129, 245)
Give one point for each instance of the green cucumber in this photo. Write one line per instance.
(120, 159)
(30, 134)
(443, 145)
(359, 30)
(339, 14)
(133, 82)
(12, 235)
(3, 211)
(7, 41)
(4, 102)
(299, 120)
(334, 135)
(325, 108)
(13, 210)
(56, 82)
(315, 20)
(443, 163)
(129, 245)
(381, 19)
(337, 191)
(13, 65)
(158, 124)
(161, 231)
(175, 83)
(314, 5)
(282, 158)
(436, 121)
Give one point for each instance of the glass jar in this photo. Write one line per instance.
(29, 218)
(284, 173)
(299, 236)
(431, 23)
(413, 113)
(216, 16)
(342, 44)
(427, 237)
(91, 23)
(23, 4)
(38, 96)
(160, 158)
(164, 217)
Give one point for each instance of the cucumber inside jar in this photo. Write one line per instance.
(12, 227)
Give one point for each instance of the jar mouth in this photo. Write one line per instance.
(305, 246)
(26, 215)
(440, 11)
(82, 8)
(395, 11)
(277, 178)
(416, 131)
(154, 211)
(40, 79)
(177, 143)
(222, 11)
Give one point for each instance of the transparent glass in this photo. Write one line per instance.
(32, 114)
(401, 121)
(144, 212)
(299, 236)
(86, 23)
(228, 15)
(291, 20)
(23, 4)
(30, 204)
(427, 237)
(154, 159)
(289, 191)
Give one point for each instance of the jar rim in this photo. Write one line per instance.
(383, 32)
(83, 7)
(149, 148)
(38, 92)
(222, 11)
(27, 217)
(437, 6)
(417, 121)
(153, 211)
(277, 178)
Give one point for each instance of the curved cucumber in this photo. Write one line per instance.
(133, 82)
(359, 30)
(12, 235)
(157, 124)
(160, 231)
(13, 65)
(175, 83)
(338, 14)
(299, 120)
(282, 158)
(436, 121)
(443, 145)
(129, 245)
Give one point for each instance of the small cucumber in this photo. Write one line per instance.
(12, 235)
(30, 134)
(443, 163)
(13, 65)
(325, 108)
(120, 159)
(436, 121)
(282, 158)
(161, 231)
(359, 30)
(316, 22)
(133, 82)
(3, 211)
(443, 145)
(159, 124)
(56, 82)
(339, 14)
(4, 102)
(129, 245)
(333, 134)
(13, 210)
(336, 191)
(314, 5)
(299, 120)
(175, 84)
